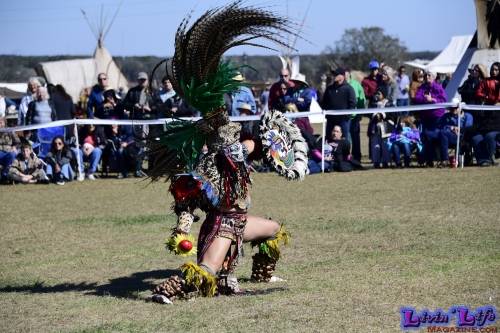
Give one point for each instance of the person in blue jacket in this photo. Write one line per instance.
(448, 131)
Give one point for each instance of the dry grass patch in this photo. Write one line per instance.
(82, 257)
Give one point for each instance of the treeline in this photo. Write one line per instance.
(255, 68)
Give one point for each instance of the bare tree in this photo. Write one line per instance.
(358, 46)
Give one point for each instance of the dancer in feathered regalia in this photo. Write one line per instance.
(217, 180)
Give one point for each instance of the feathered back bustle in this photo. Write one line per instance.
(197, 74)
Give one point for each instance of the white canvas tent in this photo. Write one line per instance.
(77, 74)
(446, 61)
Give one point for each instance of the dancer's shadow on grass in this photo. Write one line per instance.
(128, 286)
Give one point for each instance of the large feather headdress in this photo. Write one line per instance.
(200, 77)
(197, 73)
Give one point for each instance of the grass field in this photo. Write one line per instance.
(81, 257)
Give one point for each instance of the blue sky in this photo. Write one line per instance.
(147, 27)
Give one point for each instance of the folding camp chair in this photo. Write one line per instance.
(45, 137)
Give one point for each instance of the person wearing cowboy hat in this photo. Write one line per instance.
(243, 95)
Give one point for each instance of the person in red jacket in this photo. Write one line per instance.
(370, 83)
(489, 89)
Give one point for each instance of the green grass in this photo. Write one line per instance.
(82, 257)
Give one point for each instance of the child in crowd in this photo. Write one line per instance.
(405, 138)
(93, 141)
(379, 130)
(27, 168)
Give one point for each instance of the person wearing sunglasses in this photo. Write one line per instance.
(96, 98)
(59, 162)
(275, 91)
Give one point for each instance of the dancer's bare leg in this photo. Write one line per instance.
(216, 253)
(259, 228)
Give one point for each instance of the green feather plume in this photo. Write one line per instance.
(177, 149)
(209, 95)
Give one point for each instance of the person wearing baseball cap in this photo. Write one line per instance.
(139, 100)
(370, 83)
(142, 76)
(338, 96)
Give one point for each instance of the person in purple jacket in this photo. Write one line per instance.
(430, 92)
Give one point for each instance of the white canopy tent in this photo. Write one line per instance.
(447, 61)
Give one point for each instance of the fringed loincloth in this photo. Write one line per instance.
(222, 224)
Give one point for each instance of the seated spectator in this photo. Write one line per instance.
(406, 137)
(315, 160)
(9, 142)
(448, 133)
(340, 155)
(27, 168)
(93, 141)
(59, 162)
(379, 130)
(121, 152)
(470, 86)
(486, 131)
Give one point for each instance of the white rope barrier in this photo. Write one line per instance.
(291, 115)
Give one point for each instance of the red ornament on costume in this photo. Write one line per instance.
(185, 187)
(185, 245)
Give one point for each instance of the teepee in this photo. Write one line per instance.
(77, 74)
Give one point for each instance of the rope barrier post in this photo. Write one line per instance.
(78, 151)
(457, 150)
(323, 144)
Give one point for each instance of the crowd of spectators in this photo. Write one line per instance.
(422, 138)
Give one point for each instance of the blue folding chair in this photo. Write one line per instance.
(45, 137)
